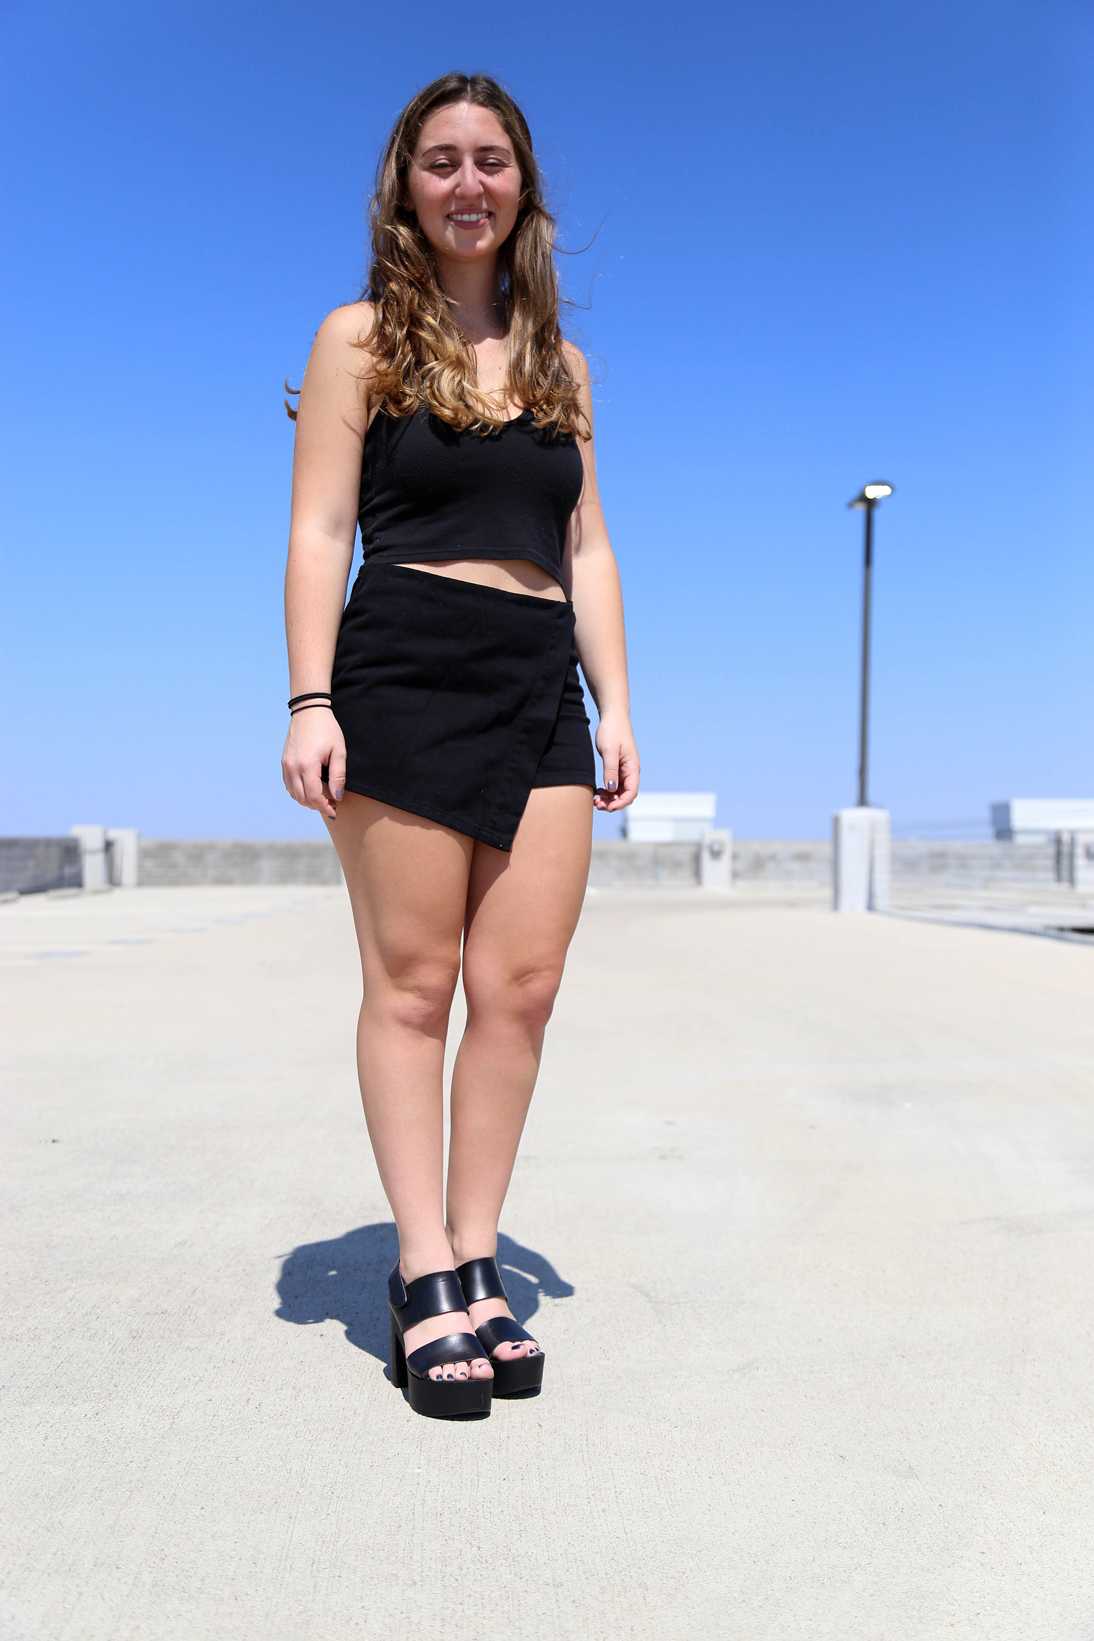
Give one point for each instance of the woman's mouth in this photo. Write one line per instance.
(468, 219)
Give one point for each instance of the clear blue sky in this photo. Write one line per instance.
(816, 245)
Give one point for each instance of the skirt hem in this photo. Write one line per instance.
(431, 811)
(570, 777)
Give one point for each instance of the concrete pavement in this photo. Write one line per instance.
(803, 1217)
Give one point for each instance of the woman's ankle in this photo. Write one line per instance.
(420, 1257)
(467, 1245)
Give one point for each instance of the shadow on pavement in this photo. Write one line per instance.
(344, 1279)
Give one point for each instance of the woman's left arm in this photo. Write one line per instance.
(597, 594)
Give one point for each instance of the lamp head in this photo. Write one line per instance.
(871, 493)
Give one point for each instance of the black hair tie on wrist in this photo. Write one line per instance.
(311, 695)
(294, 710)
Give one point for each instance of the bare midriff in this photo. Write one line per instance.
(514, 575)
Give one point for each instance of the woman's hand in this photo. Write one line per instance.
(314, 745)
(619, 755)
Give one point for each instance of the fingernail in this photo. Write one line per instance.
(610, 785)
(338, 791)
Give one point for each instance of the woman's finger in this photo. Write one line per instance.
(316, 791)
(628, 784)
(336, 779)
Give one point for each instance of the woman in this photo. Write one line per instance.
(438, 723)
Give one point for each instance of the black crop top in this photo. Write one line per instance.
(432, 491)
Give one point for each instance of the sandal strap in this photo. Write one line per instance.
(430, 1295)
(481, 1279)
(499, 1330)
(453, 1347)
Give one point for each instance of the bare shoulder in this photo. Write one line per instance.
(350, 323)
(331, 422)
(578, 367)
(576, 360)
(340, 363)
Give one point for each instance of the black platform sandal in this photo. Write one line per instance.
(414, 1301)
(513, 1375)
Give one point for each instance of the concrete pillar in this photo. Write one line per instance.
(881, 861)
(1062, 841)
(124, 856)
(92, 855)
(1077, 851)
(716, 858)
(1082, 861)
(861, 856)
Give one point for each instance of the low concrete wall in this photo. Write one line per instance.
(30, 865)
(915, 862)
(988, 865)
(166, 862)
(615, 865)
(33, 864)
(783, 861)
(616, 862)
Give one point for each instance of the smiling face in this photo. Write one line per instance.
(464, 166)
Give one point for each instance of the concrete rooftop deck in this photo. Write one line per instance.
(804, 1215)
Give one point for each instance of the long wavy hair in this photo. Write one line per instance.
(419, 355)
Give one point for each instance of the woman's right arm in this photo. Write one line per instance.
(331, 419)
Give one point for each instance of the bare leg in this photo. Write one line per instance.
(522, 911)
(407, 880)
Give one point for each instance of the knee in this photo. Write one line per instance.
(525, 996)
(418, 993)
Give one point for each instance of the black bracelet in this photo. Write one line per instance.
(311, 695)
(294, 710)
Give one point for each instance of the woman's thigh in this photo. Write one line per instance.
(407, 879)
(523, 906)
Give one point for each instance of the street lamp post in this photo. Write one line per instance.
(867, 498)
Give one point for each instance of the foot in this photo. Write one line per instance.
(481, 1310)
(435, 1327)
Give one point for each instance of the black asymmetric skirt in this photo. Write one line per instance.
(456, 699)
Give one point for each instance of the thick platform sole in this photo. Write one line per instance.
(519, 1376)
(436, 1398)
